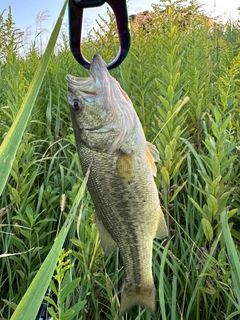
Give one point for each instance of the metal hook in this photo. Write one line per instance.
(75, 28)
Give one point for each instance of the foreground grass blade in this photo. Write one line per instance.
(31, 301)
(11, 142)
(232, 254)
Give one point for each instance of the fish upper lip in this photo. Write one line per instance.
(84, 85)
(77, 81)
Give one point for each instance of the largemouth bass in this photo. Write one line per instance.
(110, 140)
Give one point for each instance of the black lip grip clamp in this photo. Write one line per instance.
(119, 8)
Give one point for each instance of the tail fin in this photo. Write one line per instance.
(145, 297)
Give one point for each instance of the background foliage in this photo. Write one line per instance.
(183, 77)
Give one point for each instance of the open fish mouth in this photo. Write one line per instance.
(92, 84)
(81, 86)
(89, 85)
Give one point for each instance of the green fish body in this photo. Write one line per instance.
(110, 140)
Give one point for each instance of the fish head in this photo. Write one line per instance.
(86, 99)
(101, 112)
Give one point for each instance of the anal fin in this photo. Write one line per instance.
(107, 243)
(162, 230)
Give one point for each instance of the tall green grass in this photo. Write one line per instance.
(182, 74)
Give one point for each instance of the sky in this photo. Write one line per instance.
(25, 12)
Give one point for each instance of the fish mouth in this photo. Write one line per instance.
(92, 85)
(84, 86)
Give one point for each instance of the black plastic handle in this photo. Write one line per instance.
(88, 3)
(119, 8)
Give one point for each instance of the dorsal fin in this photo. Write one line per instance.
(152, 156)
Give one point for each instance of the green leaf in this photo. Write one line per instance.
(168, 153)
(165, 103)
(207, 228)
(10, 304)
(79, 306)
(215, 186)
(176, 191)
(233, 314)
(50, 300)
(212, 205)
(216, 168)
(215, 130)
(175, 79)
(195, 154)
(68, 315)
(52, 313)
(175, 170)
(211, 290)
(217, 115)
(222, 201)
(14, 194)
(79, 243)
(211, 146)
(232, 212)
(165, 174)
(196, 205)
(68, 289)
(170, 93)
(53, 287)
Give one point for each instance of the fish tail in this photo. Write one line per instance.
(145, 297)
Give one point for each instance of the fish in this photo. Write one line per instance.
(111, 142)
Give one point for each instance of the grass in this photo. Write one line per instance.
(182, 74)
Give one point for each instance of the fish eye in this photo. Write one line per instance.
(76, 104)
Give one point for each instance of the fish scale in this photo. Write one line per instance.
(110, 140)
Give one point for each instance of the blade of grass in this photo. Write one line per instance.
(232, 253)
(31, 301)
(12, 140)
(161, 282)
(233, 315)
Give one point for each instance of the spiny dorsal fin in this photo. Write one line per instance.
(152, 156)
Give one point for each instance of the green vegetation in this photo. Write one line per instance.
(183, 77)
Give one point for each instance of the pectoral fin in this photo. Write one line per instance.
(162, 230)
(107, 242)
(152, 156)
